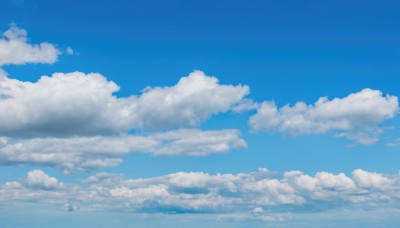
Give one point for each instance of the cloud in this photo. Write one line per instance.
(39, 179)
(86, 153)
(84, 104)
(70, 51)
(15, 49)
(370, 179)
(63, 104)
(191, 101)
(259, 195)
(356, 117)
(393, 143)
(75, 122)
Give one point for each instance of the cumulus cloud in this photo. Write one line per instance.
(39, 179)
(63, 104)
(15, 49)
(75, 122)
(357, 116)
(191, 101)
(261, 194)
(84, 104)
(85, 153)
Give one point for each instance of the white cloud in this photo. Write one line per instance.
(256, 195)
(80, 104)
(74, 122)
(191, 101)
(39, 179)
(366, 179)
(68, 104)
(3, 74)
(85, 153)
(246, 105)
(70, 51)
(15, 49)
(357, 116)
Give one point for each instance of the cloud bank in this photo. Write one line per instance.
(261, 194)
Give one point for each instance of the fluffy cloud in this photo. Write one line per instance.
(63, 104)
(194, 99)
(39, 179)
(74, 122)
(15, 49)
(85, 153)
(257, 194)
(80, 104)
(357, 116)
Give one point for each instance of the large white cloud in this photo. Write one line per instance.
(84, 104)
(191, 101)
(15, 49)
(63, 104)
(357, 116)
(257, 194)
(74, 122)
(85, 153)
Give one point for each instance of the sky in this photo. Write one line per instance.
(199, 113)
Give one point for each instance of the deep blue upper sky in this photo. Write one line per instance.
(279, 48)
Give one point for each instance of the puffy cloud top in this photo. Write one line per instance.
(356, 116)
(39, 179)
(194, 99)
(84, 104)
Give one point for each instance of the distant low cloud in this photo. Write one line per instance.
(356, 117)
(260, 195)
(15, 49)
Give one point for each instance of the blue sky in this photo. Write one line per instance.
(200, 112)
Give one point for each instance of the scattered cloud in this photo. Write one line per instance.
(70, 51)
(15, 49)
(356, 117)
(258, 195)
(393, 143)
(86, 153)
